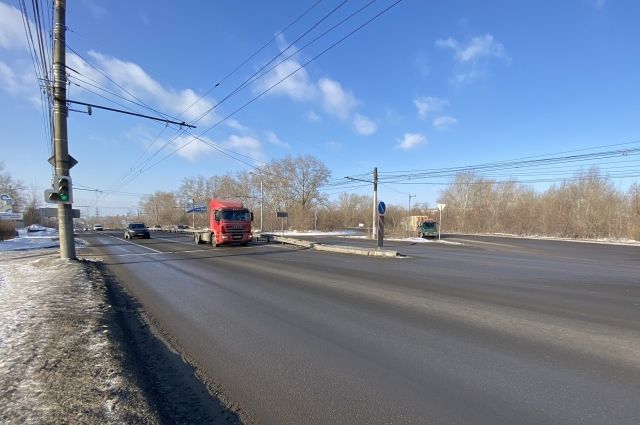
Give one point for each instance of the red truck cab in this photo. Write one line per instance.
(229, 222)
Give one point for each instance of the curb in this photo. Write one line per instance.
(368, 252)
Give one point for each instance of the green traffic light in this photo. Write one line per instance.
(64, 197)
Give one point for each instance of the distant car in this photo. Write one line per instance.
(98, 227)
(136, 230)
(157, 226)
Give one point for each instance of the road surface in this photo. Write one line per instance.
(495, 331)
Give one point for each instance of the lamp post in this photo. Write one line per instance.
(261, 198)
(440, 207)
(409, 216)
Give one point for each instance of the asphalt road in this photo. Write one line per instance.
(492, 331)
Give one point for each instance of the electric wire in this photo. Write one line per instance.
(254, 54)
(39, 62)
(104, 74)
(252, 78)
(217, 147)
(358, 28)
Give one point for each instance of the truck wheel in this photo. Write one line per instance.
(213, 240)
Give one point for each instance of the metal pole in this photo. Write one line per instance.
(60, 140)
(261, 205)
(409, 216)
(374, 221)
(193, 212)
(440, 223)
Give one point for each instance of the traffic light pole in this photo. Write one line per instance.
(60, 141)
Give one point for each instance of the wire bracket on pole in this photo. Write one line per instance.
(91, 105)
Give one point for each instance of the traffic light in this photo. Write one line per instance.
(61, 191)
(63, 185)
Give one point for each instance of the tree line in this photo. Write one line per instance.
(588, 205)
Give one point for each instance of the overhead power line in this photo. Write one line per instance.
(253, 55)
(227, 117)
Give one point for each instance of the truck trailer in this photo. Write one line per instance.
(229, 223)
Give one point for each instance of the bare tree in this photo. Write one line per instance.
(12, 187)
(294, 184)
(162, 208)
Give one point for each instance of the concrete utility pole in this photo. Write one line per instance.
(60, 141)
(374, 225)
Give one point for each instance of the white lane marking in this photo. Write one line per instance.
(135, 244)
(472, 241)
(171, 240)
(205, 245)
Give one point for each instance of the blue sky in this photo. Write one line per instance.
(426, 85)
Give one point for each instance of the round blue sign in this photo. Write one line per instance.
(381, 208)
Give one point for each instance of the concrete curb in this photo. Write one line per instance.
(352, 250)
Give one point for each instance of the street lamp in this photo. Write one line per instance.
(440, 207)
(261, 199)
(409, 216)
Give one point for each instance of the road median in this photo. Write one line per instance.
(351, 250)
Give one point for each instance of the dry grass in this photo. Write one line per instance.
(7, 230)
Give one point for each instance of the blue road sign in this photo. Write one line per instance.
(198, 209)
(381, 208)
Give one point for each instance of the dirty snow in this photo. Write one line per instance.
(74, 347)
(57, 361)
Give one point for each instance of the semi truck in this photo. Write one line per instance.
(229, 223)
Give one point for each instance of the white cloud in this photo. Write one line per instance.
(334, 146)
(22, 83)
(79, 68)
(468, 77)
(472, 58)
(136, 81)
(444, 122)
(411, 141)
(193, 149)
(427, 105)
(96, 10)
(335, 100)
(8, 78)
(281, 81)
(190, 148)
(274, 140)
(236, 125)
(478, 48)
(312, 116)
(244, 144)
(364, 125)
(12, 34)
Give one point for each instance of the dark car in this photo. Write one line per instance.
(136, 230)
